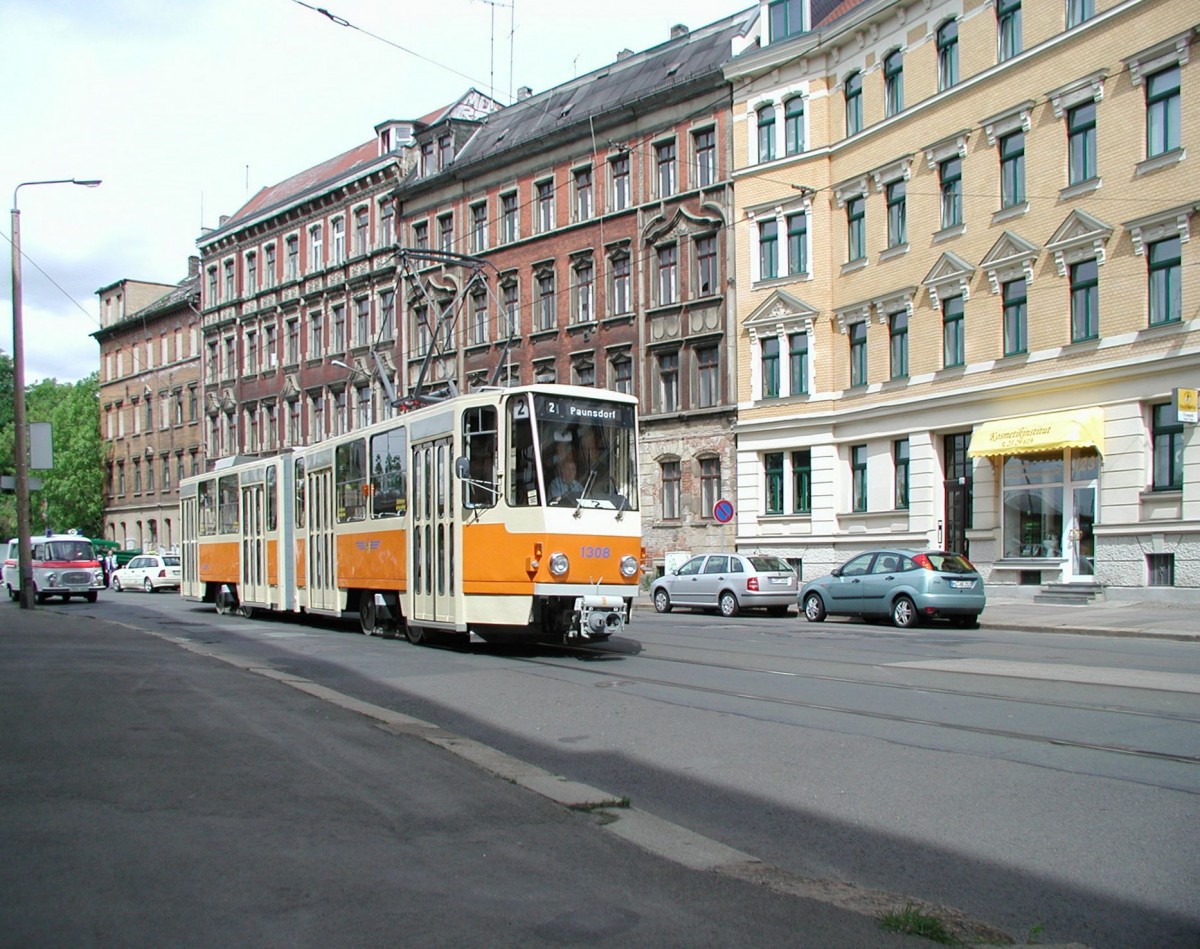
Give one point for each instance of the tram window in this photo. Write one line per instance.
(521, 470)
(300, 492)
(227, 515)
(350, 472)
(389, 451)
(479, 445)
(206, 501)
(272, 500)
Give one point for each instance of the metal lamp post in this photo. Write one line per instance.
(21, 434)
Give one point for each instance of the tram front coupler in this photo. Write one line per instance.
(598, 617)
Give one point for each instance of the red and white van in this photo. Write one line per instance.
(64, 565)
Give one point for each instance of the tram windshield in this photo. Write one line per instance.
(573, 452)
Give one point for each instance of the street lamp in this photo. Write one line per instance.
(21, 434)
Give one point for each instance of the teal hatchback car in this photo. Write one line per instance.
(907, 586)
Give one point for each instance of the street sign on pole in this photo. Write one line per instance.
(723, 511)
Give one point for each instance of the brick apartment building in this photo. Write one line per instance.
(966, 287)
(149, 405)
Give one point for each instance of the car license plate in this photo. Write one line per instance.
(780, 580)
(962, 584)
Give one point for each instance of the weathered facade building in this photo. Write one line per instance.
(966, 287)
(149, 406)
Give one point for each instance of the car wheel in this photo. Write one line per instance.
(13, 594)
(662, 602)
(728, 604)
(966, 622)
(814, 608)
(116, 584)
(92, 596)
(148, 586)
(904, 613)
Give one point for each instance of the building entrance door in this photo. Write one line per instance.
(957, 467)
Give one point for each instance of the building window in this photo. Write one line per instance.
(798, 363)
(316, 248)
(802, 482)
(421, 235)
(269, 276)
(1167, 438)
(508, 217)
(337, 339)
(1008, 28)
(706, 265)
(858, 353)
(947, 54)
(786, 18)
(668, 274)
(316, 335)
(509, 295)
(664, 154)
(900, 465)
(362, 230)
(387, 223)
(897, 217)
(545, 303)
(1016, 318)
(770, 367)
(858, 477)
(339, 240)
(1085, 301)
(766, 133)
(545, 205)
(1081, 143)
(856, 228)
(793, 125)
(710, 484)
(478, 327)
(291, 267)
(445, 151)
(1160, 570)
(621, 283)
(1012, 169)
(584, 300)
(291, 341)
(1162, 112)
(705, 143)
(773, 482)
(479, 227)
(898, 343)
(362, 321)
(768, 250)
(387, 314)
(854, 109)
(1166, 273)
(670, 490)
(583, 194)
(446, 233)
(708, 377)
(229, 282)
(950, 185)
(620, 377)
(953, 340)
(668, 382)
(619, 172)
(251, 272)
(893, 82)
(1078, 11)
(797, 238)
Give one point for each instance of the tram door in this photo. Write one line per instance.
(432, 573)
(189, 554)
(320, 575)
(252, 576)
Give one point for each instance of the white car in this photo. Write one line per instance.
(149, 572)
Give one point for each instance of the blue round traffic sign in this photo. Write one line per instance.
(723, 511)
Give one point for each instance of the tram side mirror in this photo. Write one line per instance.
(462, 467)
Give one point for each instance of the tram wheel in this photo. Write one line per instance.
(415, 635)
(368, 614)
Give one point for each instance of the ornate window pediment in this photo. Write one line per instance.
(1088, 89)
(681, 224)
(949, 147)
(1170, 52)
(889, 303)
(949, 277)
(1155, 227)
(898, 170)
(1010, 258)
(845, 190)
(846, 316)
(1003, 123)
(1079, 237)
(780, 313)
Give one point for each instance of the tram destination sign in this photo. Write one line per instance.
(553, 408)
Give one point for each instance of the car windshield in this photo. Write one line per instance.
(69, 550)
(949, 563)
(768, 564)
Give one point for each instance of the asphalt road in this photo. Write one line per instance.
(997, 772)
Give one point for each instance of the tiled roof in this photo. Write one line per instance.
(825, 12)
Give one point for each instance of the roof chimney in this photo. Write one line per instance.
(193, 266)
(524, 92)
(624, 54)
(679, 30)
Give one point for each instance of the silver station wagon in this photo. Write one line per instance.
(729, 583)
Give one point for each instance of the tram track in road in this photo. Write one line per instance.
(1013, 734)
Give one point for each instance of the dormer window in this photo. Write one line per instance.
(786, 18)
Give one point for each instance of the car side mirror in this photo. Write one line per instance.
(835, 572)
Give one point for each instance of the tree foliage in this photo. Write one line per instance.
(72, 493)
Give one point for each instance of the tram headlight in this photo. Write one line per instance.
(559, 564)
(629, 566)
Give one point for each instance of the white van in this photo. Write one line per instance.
(64, 565)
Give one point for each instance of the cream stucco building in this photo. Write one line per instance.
(967, 287)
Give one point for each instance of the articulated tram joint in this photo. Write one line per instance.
(598, 616)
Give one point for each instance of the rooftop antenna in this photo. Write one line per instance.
(492, 50)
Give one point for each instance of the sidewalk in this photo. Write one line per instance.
(1094, 619)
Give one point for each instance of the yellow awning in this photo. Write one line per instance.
(1051, 431)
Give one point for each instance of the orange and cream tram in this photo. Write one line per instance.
(504, 514)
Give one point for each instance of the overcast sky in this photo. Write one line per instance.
(185, 108)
